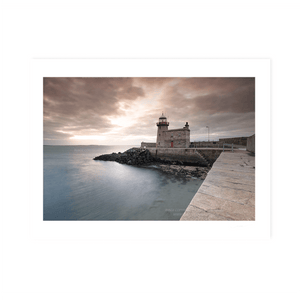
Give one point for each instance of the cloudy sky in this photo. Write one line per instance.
(124, 111)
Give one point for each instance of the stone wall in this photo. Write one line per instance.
(211, 155)
(206, 144)
(188, 155)
(251, 143)
(236, 140)
(143, 144)
(179, 137)
(212, 145)
(185, 155)
(230, 197)
(160, 139)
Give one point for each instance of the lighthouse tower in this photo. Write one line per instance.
(162, 127)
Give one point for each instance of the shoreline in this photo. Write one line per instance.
(180, 170)
(140, 157)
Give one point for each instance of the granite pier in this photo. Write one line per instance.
(228, 192)
(203, 156)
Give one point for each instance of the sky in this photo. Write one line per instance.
(124, 111)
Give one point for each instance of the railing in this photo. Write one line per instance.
(228, 145)
(162, 123)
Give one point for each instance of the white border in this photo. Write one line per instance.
(151, 230)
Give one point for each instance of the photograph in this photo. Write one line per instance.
(149, 148)
(143, 150)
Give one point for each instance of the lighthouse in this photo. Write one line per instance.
(174, 138)
(162, 127)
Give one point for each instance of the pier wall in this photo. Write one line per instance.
(213, 144)
(251, 143)
(182, 154)
(187, 155)
(211, 155)
(236, 140)
(147, 145)
(228, 192)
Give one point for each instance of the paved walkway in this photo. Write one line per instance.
(207, 148)
(228, 192)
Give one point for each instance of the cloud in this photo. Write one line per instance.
(82, 104)
(212, 95)
(112, 109)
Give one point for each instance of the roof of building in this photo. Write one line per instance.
(181, 129)
(162, 116)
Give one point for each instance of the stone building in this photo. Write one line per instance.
(174, 138)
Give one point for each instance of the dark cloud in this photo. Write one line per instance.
(79, 104)
(213, 95)
(96, 106)
(69, 96)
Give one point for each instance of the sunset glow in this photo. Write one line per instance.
(113, 111)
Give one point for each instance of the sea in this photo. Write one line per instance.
(76, 187)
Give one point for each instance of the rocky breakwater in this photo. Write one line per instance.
(133, 156)
(185, 171)
(142, 157)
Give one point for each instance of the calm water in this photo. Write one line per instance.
(78, 188)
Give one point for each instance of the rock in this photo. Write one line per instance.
(140, 157)
(133, 156)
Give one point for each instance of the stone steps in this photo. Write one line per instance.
(203, 159)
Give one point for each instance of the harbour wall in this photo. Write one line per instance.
(187, 155)
(236, 140)
(144, 144)
(211, 155)
(228, 191)
(251, 143)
